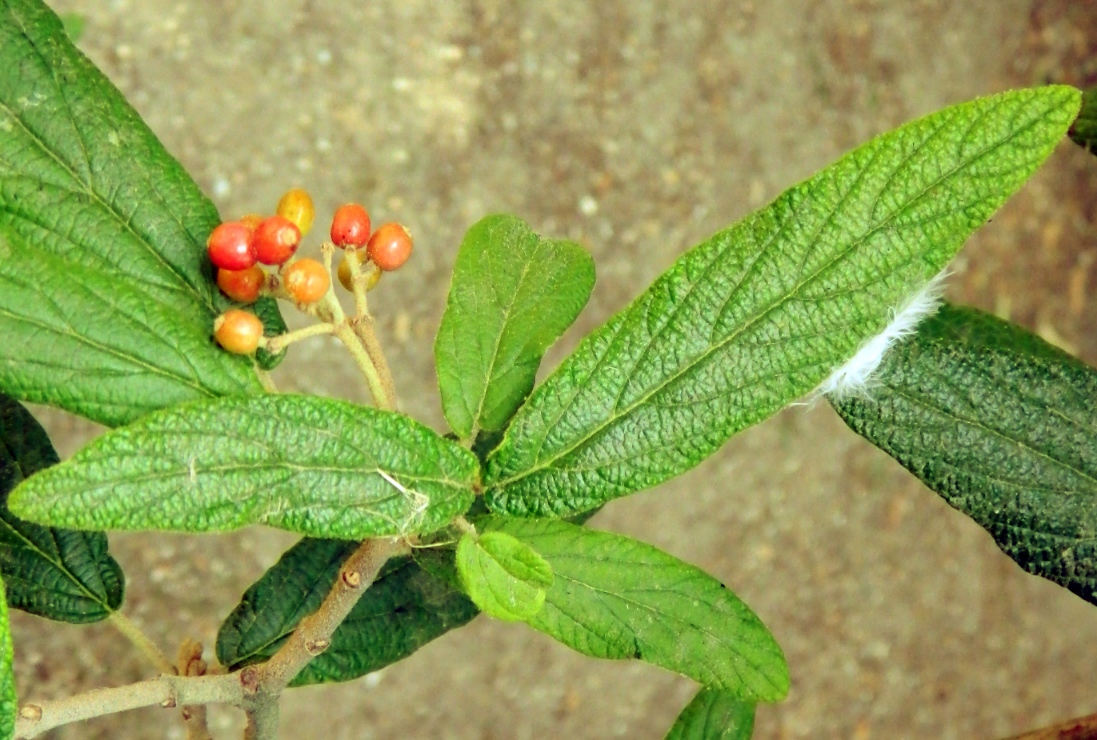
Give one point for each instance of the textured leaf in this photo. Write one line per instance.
(405, 608)
(759, 314)
(502, 576)
(513, 295)
(273, 325)
(8, 703)
(311, 465)
(55, 573)
(1084, 130)
(614, 597)
(106, 298)
(1003, 426)
(714, 715)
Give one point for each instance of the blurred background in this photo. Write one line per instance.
(637, 127)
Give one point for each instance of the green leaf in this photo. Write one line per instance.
(1003, 426)
(266, 309)
(502, 576)
(106, 296)
(405, 608)
(614, 597)
(74, 24)
(8, 704)
(759, 314)
(513, 295)
(311, 465)
(55, 573)
(1084, 130)
(714, 715)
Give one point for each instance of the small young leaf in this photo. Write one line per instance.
(8, 703)
(405, 608)
(1002, 425)
(614, 597)
(266, 309)
(759, 314)
(55, 573)
(502, 576)
(1084, 130)
(714, 715)
(104, 285)
(310, 465)
(513, 295)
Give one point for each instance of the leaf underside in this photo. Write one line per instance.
(513, 294)
(504, 577)
(106, 296)
(405, 608)
(55, 573)
(614, 597)
(1084, 130)
(1001, 425)
(311, 465)
(759, 314)
(714, 715)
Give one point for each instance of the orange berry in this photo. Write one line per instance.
(238, 331)
(306, 281)
(369, 270)
(390, 246)
(296, 205)
(242, 286)
(275, 240)
(350, 226)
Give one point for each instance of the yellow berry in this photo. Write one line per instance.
(296, 205)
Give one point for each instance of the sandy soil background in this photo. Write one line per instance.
(638, 127)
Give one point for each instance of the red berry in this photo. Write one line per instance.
(230, 246)
(275, 240)
(306, 281)
(350, 226)
(390, 246)
(238, 331)
(242, 286)
(296, 205)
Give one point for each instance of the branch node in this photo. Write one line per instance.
(315, 647)
(249, 680)
(168, 703)
(31, 712)
(352, 578)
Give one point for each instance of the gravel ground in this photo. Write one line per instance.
(637, 127)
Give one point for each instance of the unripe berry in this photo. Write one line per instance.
(230, 247)
(275, 240)
(242, 286)
(296, 205)
(390, 246)
(350, 226)
(306, 281)
(369, 271)
(238, 331)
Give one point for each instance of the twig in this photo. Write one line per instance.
(382, 397)
(1080, 728)
(280, 342)
(263, 722)
(267, 381)
(188, 662)
(357, 283)
(363, 328)
(142, 642)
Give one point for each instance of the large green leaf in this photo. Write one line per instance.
(503, 576)
(55, 573)
(1003, 426)
(1084, 130)
(405, 608)
(513, 294)
(311, 465)
(614, 597)
(8, 704)
(106, 298)
(759, 314)
(714, 715)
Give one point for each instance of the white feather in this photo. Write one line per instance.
(854, 378)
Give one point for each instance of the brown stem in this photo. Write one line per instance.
(1080, 728)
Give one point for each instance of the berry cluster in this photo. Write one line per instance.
(239, 249)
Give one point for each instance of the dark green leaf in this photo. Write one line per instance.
(714, 715)
(1003, 426)
(8, 703)
(55, 573)
(759, 314)
(504, 577)
(106, 297)
(405, 608)
(311, 465)
(513, 295)
(1084, 130)
(273, 325)
(614, 597)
